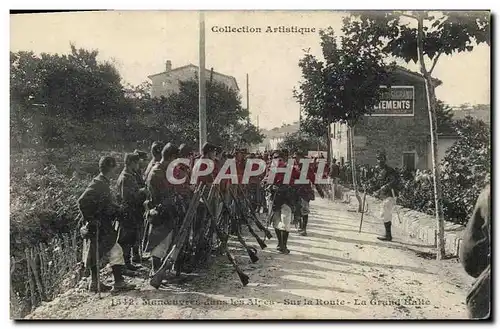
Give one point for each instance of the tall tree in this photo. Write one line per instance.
(345, 86)
(423, 37)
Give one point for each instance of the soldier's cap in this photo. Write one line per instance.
(142, 155)
(284, 152)
(157, 147)
(208, 147)
(276, 154)
(131, 158)
(184, 149)
(106, 163)
(169, 150)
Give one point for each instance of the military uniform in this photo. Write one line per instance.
(161, 216)
(202, 228)
(305, 195)
(384, 183)
(131, 196)
(475, 256)
(284, 200)
(99, 212)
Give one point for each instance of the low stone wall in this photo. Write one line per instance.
(419, 225)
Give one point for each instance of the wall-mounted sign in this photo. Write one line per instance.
(396, 101)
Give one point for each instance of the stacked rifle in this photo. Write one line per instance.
(242, 213)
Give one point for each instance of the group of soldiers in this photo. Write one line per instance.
(145, 217)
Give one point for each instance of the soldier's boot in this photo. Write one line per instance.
(93, 282)
(284, 249)
(305, 219)
(278, 236)
(388, 235)
(120, 284)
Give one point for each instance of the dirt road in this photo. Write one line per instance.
(333, 273)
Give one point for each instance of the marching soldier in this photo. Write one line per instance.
(161, 215)
(305, 194)
(99, 212)
(334, 176)
(131, 196)
(156, 150)
(384, 183)
(475, 256)
(283, 201)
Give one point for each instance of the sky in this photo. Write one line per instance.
(140, 42)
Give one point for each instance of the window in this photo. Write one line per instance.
(410, 160)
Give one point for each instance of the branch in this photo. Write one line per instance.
(435, 62)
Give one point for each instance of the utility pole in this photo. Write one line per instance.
(202, 101)
(248, 103)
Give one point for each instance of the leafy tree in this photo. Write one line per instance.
(466, 168)
(59, 99)
(444, 118)
(175, 117)
(300, 142)
(342, 88)
(419, 36)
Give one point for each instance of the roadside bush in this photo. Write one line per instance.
(465, 171)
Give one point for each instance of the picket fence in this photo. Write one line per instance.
(43, 272)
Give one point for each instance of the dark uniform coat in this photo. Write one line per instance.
(162, 199)
(97, 206)
(131, 198)
(385, 175)
(475, 255)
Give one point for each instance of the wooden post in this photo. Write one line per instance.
(202, 101)
(30, 280)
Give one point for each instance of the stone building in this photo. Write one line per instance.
(167, 82)
(399, 125)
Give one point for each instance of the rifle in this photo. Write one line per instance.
(253, 217)
(271, 212)
(157, 277)
(98, 261)
(362, 212)
(244, 218)
(252, 252)
(243, 277)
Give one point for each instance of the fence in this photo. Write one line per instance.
(43, 272)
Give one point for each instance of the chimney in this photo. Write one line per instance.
(168, 66)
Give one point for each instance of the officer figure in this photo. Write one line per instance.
(384, 183)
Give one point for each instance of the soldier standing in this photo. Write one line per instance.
(161, 214)
(131, 196)
(384, 183)
(156, 149)
(334, 175)
(284, 201)
(143, 158)
(99, 212)
(306, 195)
(202, 222)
